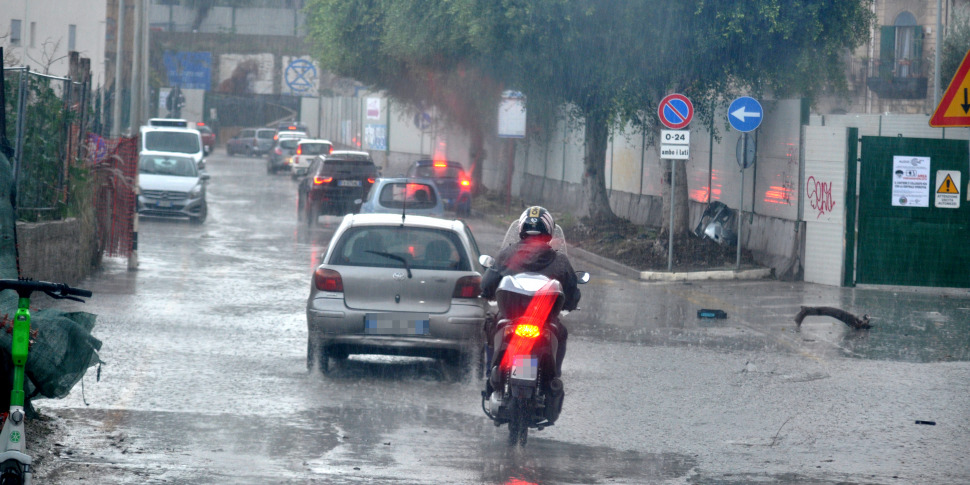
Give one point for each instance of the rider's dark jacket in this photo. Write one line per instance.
(535, 256)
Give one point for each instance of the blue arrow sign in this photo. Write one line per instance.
(745, 114)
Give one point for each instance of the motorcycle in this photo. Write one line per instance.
(523, 390)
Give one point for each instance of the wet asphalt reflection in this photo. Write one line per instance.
(205, 378)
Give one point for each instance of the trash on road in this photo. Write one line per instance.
(837, 313)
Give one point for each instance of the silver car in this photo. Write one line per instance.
(170, 184)
(397, 287)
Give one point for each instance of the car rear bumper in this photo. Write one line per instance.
(332, 323)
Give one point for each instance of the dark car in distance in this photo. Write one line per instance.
(334, 184)
(453, 182)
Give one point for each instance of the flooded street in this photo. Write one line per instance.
(205, 376)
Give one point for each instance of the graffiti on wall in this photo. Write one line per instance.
(819, 195)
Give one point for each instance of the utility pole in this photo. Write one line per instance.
(119, 59)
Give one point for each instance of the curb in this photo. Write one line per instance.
(624, 270)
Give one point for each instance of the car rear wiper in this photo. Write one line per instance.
(394, 257)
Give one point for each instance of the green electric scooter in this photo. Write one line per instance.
(15, 467)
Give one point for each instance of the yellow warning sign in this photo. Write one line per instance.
(954, 107)
(948, 187)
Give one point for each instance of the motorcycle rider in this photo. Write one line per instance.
(533, 253)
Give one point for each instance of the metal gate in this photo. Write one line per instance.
(914, 214)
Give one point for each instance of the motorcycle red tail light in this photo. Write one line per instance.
(468, 287)
(328, 280)
(527, 330)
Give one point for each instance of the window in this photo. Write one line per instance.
(901, 48)
(33, 34)
(71, 37)
(14, 32)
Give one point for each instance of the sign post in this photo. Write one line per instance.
(744, 114)
(675, 112)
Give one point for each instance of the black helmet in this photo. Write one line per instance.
(536, 221)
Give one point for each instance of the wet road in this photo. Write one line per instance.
(206, 379)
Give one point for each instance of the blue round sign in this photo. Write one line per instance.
(745, 114)
(301, 76)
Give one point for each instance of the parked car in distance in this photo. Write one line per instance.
(307, 150)
(285, 126)
(208, 137)
(172, 139)
(452, 181)
(283, 148)
(169, 185)
(334, 184)
(396, 287)
(403, 196)
(251, 141)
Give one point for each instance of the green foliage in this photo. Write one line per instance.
(955, 45)
(44, 182)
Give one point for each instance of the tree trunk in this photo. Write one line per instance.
(594, 164)
(681, 208)
(477, 155)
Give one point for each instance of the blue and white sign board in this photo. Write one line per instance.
(190, 70)
(511, 115)
(300, 77)
(375, 136)
(745, 114)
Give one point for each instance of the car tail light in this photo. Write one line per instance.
(465, 183)
(299, 150)
(318, 180)
(440, 164)
(527, 330)
(331, 150)
(328, 280)
(370, 180)
(468, 287)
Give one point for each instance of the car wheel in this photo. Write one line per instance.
(199, 219)
(312, 213)
(317, 356)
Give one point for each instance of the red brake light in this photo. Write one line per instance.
(299, 149)
(466, 183)
(527, 330)
(331, 150)
(440, 164)
(370, 180)
(468, 287)
(327, 280)
(318, 180)
(291, 127)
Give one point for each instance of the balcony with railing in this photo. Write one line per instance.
(900, 71)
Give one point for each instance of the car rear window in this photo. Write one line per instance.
(289, 143)
(421, 248)
(315, 148)
(172, 141)
(265, 134)
(436, 172)
(349, 167)
(410, 195)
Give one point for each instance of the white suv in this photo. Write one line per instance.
(171, 139)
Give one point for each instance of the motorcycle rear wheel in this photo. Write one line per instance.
(519, 424)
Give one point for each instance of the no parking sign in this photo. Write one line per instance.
(675, 111)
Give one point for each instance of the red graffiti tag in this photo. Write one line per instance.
(820, 196)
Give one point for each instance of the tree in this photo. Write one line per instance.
(607, 62)
(955, 44)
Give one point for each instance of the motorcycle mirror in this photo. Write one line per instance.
(486, 260)
(582, 276)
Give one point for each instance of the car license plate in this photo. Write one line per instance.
(164, 203)
(397, 324)
(348, 183)
(525, 367)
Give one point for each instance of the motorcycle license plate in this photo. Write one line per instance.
(525, 367)
(397, 324)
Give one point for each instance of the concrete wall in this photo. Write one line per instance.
(59, 251)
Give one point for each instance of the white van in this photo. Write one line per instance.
(170, 139)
